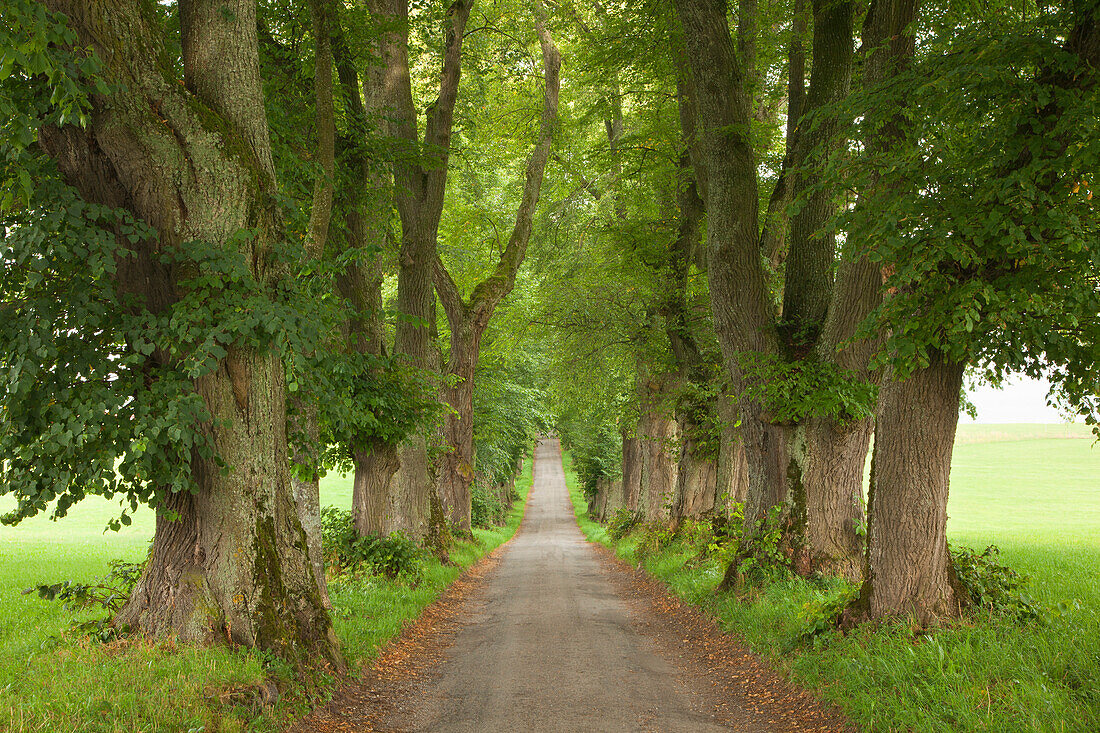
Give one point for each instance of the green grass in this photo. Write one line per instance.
(53, 681)
(1033, 490)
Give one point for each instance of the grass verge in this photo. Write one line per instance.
(986, 674)
(56, 682)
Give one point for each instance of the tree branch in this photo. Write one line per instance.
(489, 292)
(440, 114)
(449, 294)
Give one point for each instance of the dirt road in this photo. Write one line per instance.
(555, 635)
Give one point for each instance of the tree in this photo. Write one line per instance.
(777, 362)
(172, 187)
(469, 317)
(982, 223)
(420, 177)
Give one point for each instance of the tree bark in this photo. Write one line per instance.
(658, 446)
(911, 573)
(371, 498)
(733, 476)
(696, 482)
(632, 472)
(229, 562)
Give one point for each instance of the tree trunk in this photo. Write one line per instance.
(456, 469)
(235, 565)
(194, 161)
(835, 453)
(307, 497)
(613, 497)
(411, 489)
(696, 483)
(659, 436)
(832, 482)
(360, 284)
(420, 187)
(733, 471)
(469, 319)
(911, 573)
(768, 461)
(371, 497)
(740, 300)
(632, 473)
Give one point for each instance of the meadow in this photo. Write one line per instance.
(1032, 490)
(52, 680)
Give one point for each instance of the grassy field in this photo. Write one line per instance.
(1032, 490)
(52, 682)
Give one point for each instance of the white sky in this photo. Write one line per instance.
(1022, 400)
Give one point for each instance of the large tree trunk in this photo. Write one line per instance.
(456, 466)
(411, 489)
(371, 497)
(195, 162)
(658, 445)
(610, 493)
(235, 565)
(696, 484)
(632, 472)
(911, 572)
(768, 461)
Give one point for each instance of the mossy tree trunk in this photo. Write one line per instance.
(230, 562)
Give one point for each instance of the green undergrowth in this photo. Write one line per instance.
(57, 681)
(988, 673)
(372, 609)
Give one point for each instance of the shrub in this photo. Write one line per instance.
(486, 509)
(823, 614)
(108, 593)
(992, 586)
(621, 524)
(345, 551)
(697, 535)
(652, 538)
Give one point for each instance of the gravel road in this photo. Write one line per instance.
(550, 644)
(551, 633)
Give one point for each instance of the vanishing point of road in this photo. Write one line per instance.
(557, 635)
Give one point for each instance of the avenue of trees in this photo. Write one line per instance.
(726, 251)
